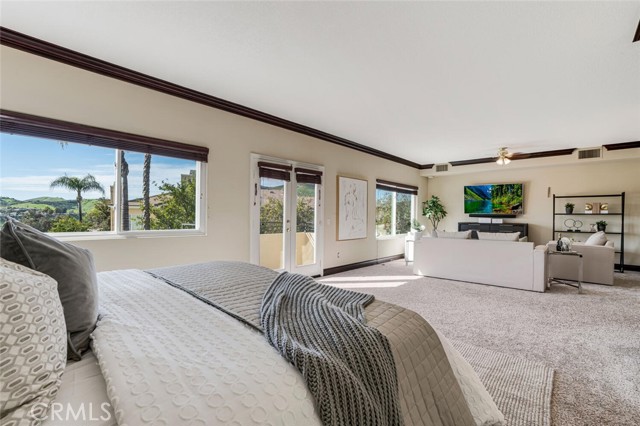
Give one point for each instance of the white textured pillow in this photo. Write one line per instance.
(33, 343)
(499, 236)
(464, 235)
(597, 239)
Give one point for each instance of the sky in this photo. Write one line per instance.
(28, 165)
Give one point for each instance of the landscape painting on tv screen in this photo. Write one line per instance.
(493, 199)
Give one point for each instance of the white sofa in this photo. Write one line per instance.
(597, 266)
(510, 264)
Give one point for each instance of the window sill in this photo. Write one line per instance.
(96, 236)
(390, 237)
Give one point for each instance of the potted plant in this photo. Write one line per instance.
(568, 208)
(434, 211)
(602, 225)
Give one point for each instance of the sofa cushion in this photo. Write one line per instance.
(464, 235)
(499, 236)
(33, 345)
(597, 239)
(72, 267)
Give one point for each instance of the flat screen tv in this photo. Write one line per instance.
(493, 199)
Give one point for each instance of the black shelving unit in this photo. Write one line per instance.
(620, 213)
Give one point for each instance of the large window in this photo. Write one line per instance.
(395, 208)
(52, 182)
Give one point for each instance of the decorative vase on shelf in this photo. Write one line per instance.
(565, 244)
(568, 208)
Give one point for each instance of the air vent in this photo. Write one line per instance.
(583, 154)
(442, 168)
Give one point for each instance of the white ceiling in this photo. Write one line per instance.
(427, 81)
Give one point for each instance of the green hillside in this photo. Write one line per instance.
(41, 203)
(7, 201)
(87, 206)
(46, 200)
(29, 205)
(304, 189)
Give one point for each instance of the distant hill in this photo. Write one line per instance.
(7, 201)
(304, 190)
(45, 200)
(41, 203)
(29, 205)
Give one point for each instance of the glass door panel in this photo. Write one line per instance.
(272, 222)
(305, 224)
(403, 213)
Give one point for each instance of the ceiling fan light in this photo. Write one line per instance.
(502, 157)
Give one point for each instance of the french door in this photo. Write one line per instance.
(286, 217)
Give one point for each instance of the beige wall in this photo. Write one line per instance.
(596, 177)
(38, 86)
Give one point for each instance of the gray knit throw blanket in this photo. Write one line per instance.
(348, 366)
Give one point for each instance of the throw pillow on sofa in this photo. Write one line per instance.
(72, 267)
(464, 235)
(499, 236)
(33, 344)
(597, 239)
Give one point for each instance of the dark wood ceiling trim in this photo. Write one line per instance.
(396, 184)
(542, 154)
(473, 161)
(16, 40)
(32, 125)
(426, 166)
(527, 156)
(623, 145)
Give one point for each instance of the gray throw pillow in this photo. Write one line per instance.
(33, 344)
(72, 267)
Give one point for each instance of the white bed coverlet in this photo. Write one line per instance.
(168, 359)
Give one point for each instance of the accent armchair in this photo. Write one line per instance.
(598, 263)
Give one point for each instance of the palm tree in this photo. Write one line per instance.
(87, 183)
(146, 171)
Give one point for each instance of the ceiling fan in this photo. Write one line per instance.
(504, 157)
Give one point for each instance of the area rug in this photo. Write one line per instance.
(520, 388)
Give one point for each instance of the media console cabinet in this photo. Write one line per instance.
(523, 228)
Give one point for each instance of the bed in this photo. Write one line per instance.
(204, 344)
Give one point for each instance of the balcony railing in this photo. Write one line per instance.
(277, 227)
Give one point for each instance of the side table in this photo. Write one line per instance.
(552, 280)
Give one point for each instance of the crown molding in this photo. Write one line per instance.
(623, 145)
(35, 46)
(515, 157)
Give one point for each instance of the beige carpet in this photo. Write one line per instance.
(592, 340)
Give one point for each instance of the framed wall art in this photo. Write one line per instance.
(352, 208)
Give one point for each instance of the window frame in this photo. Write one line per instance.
(401, 188)
(51, 129)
